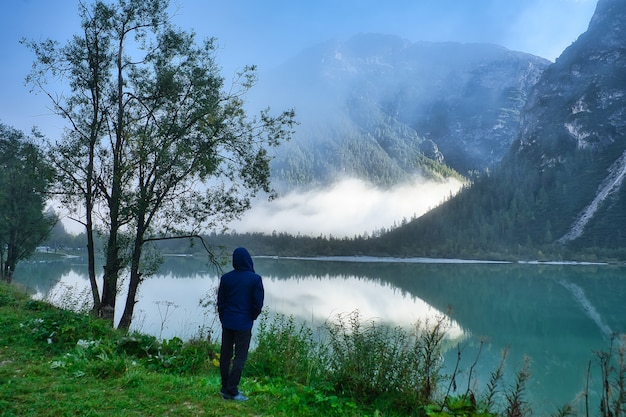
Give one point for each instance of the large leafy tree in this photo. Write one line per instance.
(25, 180)
(156, 147)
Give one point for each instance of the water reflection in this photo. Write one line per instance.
(321, 298)
(168, 303)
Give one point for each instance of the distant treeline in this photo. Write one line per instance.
(386, 243)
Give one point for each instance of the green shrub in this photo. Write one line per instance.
(38, 305)
(93, 357)
(196, 356)
(464, 405)
(6, 299)
(369, 360)
(138, 345)
(171, 355)
(285, 350)
(60, 329)
(107, 366)
(365, 361)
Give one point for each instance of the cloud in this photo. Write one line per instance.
(347, 208)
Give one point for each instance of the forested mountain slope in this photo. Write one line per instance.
(562, 180)
(385, 110)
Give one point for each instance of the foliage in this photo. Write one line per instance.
(307, 400)
(57, 329)
(156, 141)
(613, 370)
(25, 179)
(516, 404)
(376, 364)
(285, 350)
(457, 406)
(370, 361)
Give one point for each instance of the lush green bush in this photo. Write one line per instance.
(61, 329)
(370, 360)
(184, 358)
(170, 355)
(373, 363)
(286, 350)
(392, 370)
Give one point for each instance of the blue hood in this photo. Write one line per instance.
(242, 261)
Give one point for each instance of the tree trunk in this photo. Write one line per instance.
(91, 256)
(113, 262)
(5, 274)
(90, 194)
(135, 277)
(129, 309)
(9, 269)
(109, 280)
(2, 264)
(11, 261)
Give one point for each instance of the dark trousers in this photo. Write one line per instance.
(237, 341)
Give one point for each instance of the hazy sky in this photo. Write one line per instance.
(268, 32)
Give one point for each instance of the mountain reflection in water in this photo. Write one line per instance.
(317, 299)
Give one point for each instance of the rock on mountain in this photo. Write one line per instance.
(562, 180)
(574, 133)
(384, 109)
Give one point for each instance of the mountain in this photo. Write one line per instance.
(562, 180)
(384, 109)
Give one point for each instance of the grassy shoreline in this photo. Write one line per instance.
(50, 366)
(55, 362)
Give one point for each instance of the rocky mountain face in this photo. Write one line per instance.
(385, 109)
(573, 133)
(579, 101)
(562, 180)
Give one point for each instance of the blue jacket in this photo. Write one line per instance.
(240, 293)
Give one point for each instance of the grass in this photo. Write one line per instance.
(55, 362)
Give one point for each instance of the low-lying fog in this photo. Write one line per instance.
(348, 208)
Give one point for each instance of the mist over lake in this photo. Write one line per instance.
(557, 315)
(349, 207)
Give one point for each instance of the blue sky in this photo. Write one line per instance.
(268, 32)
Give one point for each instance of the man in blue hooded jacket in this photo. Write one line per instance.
(239, 301)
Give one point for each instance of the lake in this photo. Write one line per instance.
(557, 315)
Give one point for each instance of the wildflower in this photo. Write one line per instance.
(57, 364)
(86, 343)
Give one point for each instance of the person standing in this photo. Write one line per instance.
(240, 298)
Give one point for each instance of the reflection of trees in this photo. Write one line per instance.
(510, 300)
(42, 277)
(186, 266)
(38, 277)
